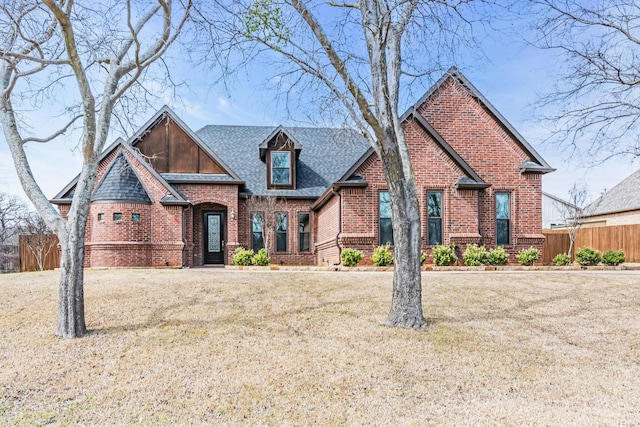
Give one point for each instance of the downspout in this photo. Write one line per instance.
(479, 226)
(184, 236)
(333, 191)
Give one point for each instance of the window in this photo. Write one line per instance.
(257, 227)
(503, 228)
(281, 232)
(434, 217)
(117, 216)
(304, 229)
(135, 217)
(100, 217)
(386, 230)
(280, 167)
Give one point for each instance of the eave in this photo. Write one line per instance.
(333, 187)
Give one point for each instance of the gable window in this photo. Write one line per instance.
(281, 232)
(304, 230)
(257, 234)
(434, 217)
(117, 216)
(503, 216)
(281, 167)
(385, 234)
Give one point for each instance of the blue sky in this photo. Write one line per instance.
(511, 78)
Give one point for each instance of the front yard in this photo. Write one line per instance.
(208, 346)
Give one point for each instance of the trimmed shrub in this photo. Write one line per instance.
(423, 258)
(351, 257)
(588, 256)
(382, 256)
(475, 255)
(261, 258)
(242, 256)
(561, 260)
(528, 256)
(498, 256)
(613, 257)
(444, 255)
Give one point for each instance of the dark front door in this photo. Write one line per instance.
(213, 237)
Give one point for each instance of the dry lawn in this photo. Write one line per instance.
(216, 347)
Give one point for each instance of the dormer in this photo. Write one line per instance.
(280, 151)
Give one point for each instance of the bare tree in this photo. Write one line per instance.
(351, 56)
(37, 237)
(596, 97)
(575, 211)
(88, 57)
(12, 211)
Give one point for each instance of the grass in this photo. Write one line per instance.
(184, 347)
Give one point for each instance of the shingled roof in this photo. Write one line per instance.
(326, 154)
(623, 197)
(121, 183)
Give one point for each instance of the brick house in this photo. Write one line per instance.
(173, 197)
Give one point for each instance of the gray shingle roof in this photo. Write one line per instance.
(623, 197)
(120, 182)
(197, 177)
(326, 155)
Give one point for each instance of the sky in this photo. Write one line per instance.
(512, 77)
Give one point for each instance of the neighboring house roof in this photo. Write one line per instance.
(326, 154)
(536, 163)
(120, 183)
(556, 198)
(621, 198)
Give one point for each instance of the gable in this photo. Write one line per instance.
(171, 150)
(475, 128)
(119, 170)
(324, 154)
(120, 183)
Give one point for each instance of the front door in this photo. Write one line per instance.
(213, 237)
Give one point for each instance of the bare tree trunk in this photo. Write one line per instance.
(71, 321)
(406, 303)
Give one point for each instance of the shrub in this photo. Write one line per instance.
(423, 258)
(475, 255)
(588, 256)
(444, 255)
(528, 256)
(382, 256)
(242, 256)
(351, 257)
(498, 256)
(261, 258)
(613, 257)
(561, 259)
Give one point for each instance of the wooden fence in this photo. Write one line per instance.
(625, 237)
(29, 262)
